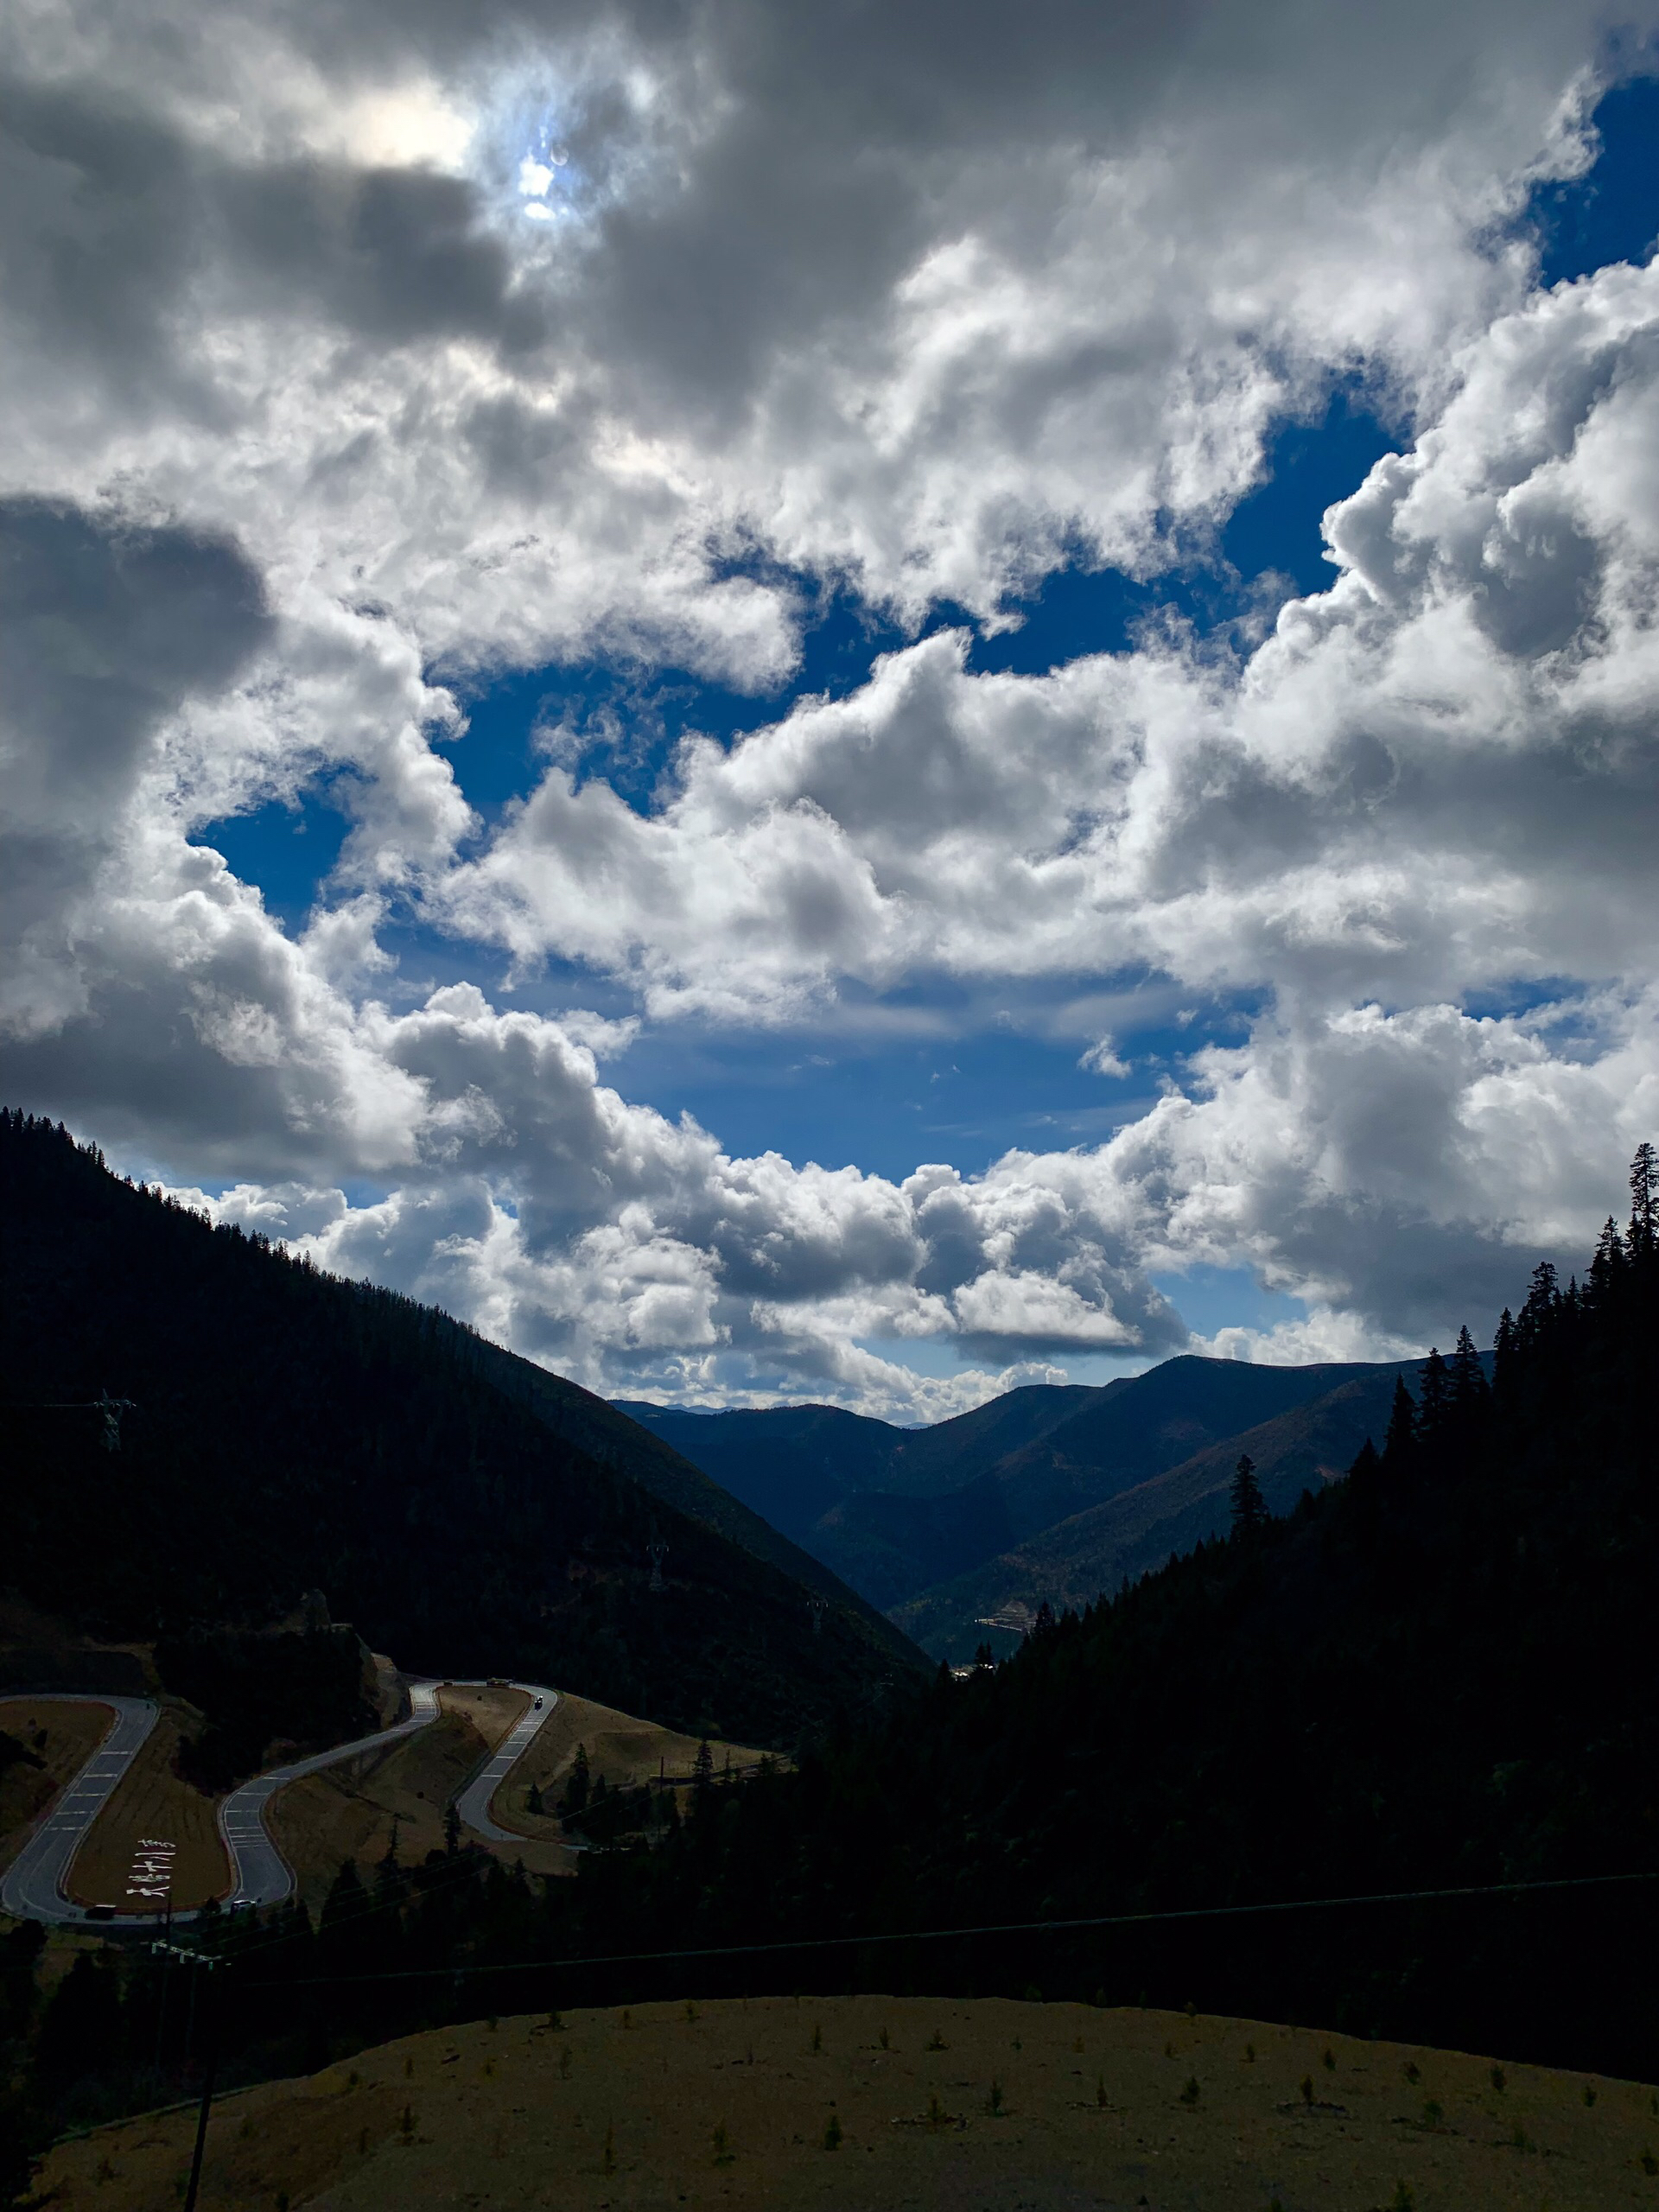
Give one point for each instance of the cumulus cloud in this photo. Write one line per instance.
(309, 421)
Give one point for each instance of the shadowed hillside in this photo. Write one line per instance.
(288, 1431)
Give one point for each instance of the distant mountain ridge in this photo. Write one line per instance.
(1048, 1491)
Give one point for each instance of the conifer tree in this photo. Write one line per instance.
(574, 1797)
(1505, 1349)
(1644, 1202)
(1250, 1507)
(1403, 1425)
(1468, 1376)
(1434, 1402)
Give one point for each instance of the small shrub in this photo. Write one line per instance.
(692, 2011)
(1169, 2050)
(556, 2018)
(106, 2170)
(1191, 2010)
(1648, 2163)
(818, 2037)
(354, 2080)
(626, 2020)
(994, 2101)
(1329, 2061)
(1307, 2088)
(1431, 2114)
(1249, 2054)
(406, 2123)
(1497, 2078)
(832, 2137)
(937, 2041)
(1402, 2200)
(1100, 2091)
(492, 2023)
(885, 2040)
(724, 2153)
(1589, 2096)
(1190, 2090)
(1414, 2073)
(936, 2115)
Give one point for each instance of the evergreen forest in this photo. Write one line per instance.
(1386, 1764)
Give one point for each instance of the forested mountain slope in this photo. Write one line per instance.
(1437, 1673)
(897, 1513)
(289, 1431)
(1070, 1563)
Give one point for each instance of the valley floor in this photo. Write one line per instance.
(986, 2106)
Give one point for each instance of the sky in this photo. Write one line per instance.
(858, 704)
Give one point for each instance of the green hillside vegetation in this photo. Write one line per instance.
(288, 1431)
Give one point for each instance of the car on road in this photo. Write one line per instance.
(536, 1707)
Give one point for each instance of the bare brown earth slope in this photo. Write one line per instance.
(878, 2102)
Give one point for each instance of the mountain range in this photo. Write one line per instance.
(961, 1531)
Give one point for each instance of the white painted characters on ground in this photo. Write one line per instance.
(151, 1872)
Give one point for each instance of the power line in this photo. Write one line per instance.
(948, 1935)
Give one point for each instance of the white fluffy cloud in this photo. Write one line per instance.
(308, 417)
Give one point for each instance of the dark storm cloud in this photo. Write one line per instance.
(106, 625)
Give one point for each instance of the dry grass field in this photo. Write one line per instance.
(877, 2103)
(151, 1805)
(72, 1733)
(622, 1749)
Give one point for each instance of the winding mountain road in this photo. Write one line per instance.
(260, 1874)
(473, 1802)
(31, 1887)
(34, 1887)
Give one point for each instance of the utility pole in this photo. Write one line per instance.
(200, 1963)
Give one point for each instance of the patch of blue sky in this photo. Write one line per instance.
(288, 850)
(1611, 212)
(1208, 1299)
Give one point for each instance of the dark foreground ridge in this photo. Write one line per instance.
(286, 1431)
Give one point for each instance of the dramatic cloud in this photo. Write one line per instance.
(351, 356)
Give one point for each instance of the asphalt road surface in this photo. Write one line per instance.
(260, 1875)
(31, 1886)
(473, 1802)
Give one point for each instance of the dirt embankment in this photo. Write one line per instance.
(61, 1738)
(877, 2102)
(156, 1842)
(624, 1750)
